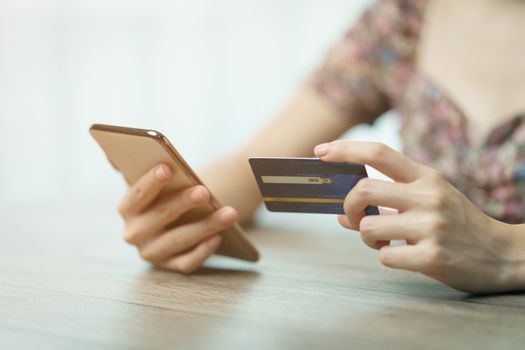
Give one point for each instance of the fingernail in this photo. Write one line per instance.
(321, 150)
(226, 214)
(215, 240)
(199, 195)
(162, 173)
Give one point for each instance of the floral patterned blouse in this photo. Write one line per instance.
(372, 70)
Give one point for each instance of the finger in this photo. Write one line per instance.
(142, 228)
(406, 257)
(379, 156)
(182, 238)
(145, 190)
(174, 205)
(192, 260)
(376, 229)
(345, 222)
(374, 192)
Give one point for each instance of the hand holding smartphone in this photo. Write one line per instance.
(174, 221)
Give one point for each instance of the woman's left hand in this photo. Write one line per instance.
(448, 237)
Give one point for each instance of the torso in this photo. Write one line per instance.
(454, 72)
(471, 50)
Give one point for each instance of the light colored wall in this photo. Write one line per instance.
(205, 72)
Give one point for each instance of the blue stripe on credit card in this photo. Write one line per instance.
(306, 185)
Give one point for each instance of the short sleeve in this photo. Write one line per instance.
(351, 76)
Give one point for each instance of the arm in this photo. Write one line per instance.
(151, 218)
(306, 120)
(343, 92)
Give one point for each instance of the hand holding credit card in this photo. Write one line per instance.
(306, 185)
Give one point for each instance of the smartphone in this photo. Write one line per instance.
(134, 152)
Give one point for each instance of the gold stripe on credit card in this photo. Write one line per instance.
(303, 200)
(298, 180)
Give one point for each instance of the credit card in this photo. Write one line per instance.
(306, 185)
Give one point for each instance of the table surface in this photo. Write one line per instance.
(69, 282)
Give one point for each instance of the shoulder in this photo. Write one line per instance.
(392, 27)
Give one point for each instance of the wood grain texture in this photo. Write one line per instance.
(69, 282)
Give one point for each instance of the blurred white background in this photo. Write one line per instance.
(206, 73)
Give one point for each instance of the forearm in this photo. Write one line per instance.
(306, 120)
(231, 181)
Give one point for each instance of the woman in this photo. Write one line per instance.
(455, 73)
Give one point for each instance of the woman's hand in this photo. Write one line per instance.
(147, 213)
(448, 237)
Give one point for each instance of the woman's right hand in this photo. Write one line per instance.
(147, 213)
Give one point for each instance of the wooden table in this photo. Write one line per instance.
(69, 282)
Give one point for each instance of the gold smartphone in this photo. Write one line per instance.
(135, 151)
